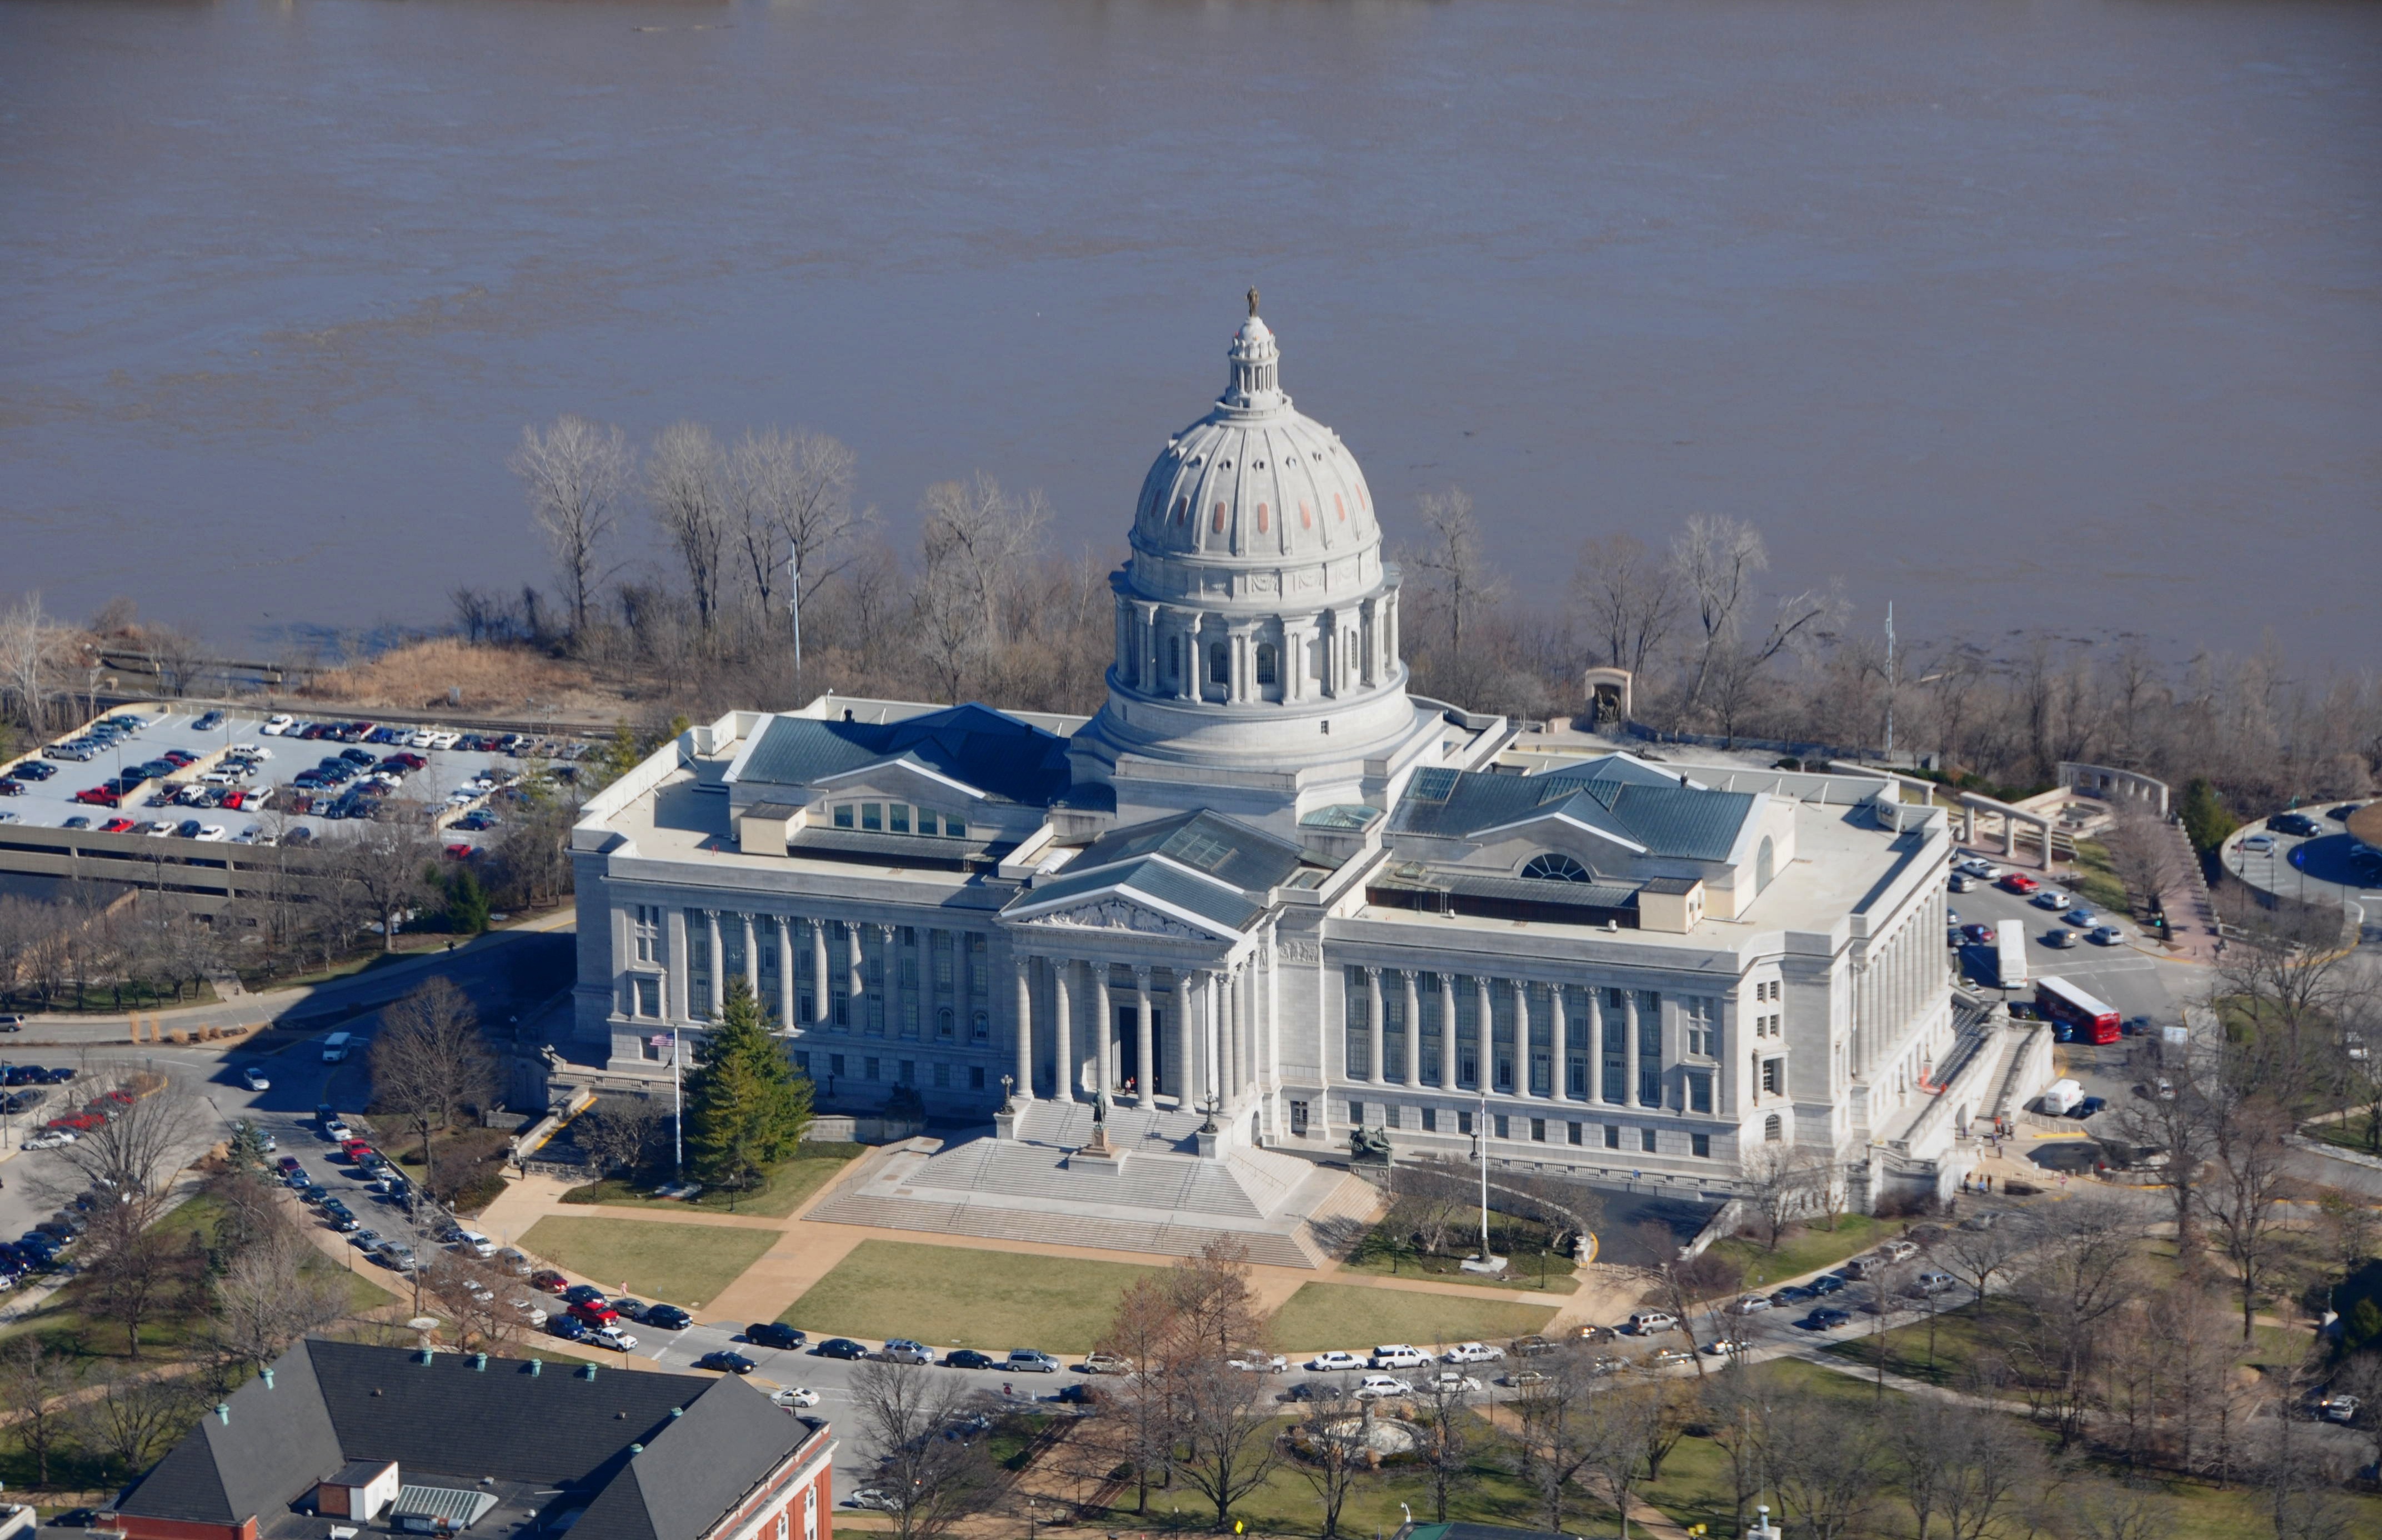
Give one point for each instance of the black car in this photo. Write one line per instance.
(1791, 1294)
(774, 1334)
(634, 1309)
(1080, 1393)
(967, 1358)
(1824, 1320)
(1827, 1283)
(2294, 823)
(76, 1518)
(726, 1363)
(841, 1347)
(666, 1317)
(33, 770)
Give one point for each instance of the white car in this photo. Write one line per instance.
(795, 1397)
(1397, 1356)
(1752, 1304)
(1374, 1387)
(214, 833)
(445, 740)
(2052, 901)
(1450, 1383)
(613, 1338)
(1727, 1348)
(248, 750)
(51, 1138)
(276, 724)
(530, 1311)
(255, 1078)
(1257, 1361)
(1473, 1352)
(2339, 1409)
(419, 740)
(1334, 1361)
(2259, 845)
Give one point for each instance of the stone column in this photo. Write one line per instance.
(888, 939)
(1629, 1047)
(1485, 1034)
(1186, 1045)
(678, 956)
(1025, 1070)
(1237, 1051)
(1105, 1054)
(1595, 1044)
(1522, 1037)
(1374, 1035)
(1559, 1046)
(718, 961)
(785, 973)
(1144, 1051)
(1447, 987)
(751, 960)
(1368, 627)
(821, 1006)
(1063, 1044)
(856, 976)
(1414, 1027)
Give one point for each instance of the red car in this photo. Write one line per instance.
(98, 796)
(549, 1280)
(117, 825)
(593, 1314)
(2020, 882)
(459, 852)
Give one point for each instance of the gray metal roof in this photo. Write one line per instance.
(332, 1404)
(1615, 796)
(1152, 878)
(992, 751)
(460, 1507)
(1226, 848)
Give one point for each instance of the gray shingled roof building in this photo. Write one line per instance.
(485, 1442)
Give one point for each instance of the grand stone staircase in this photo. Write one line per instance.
(1164, 1200)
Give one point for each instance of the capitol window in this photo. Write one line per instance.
(1265, 663)
(1219, 663)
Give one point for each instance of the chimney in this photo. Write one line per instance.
(587, 1371)
(536, 1367)
(480, 1361)
(422, 1356)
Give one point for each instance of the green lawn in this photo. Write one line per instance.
(782, 1191)
(683, 1263)
(1351, 1315)
(2096, 881)
(1804, 1248)
(949, 1296)
(2349, 1133)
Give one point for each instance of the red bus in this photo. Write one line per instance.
(2086, 1017)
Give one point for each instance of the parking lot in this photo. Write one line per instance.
(245, 776)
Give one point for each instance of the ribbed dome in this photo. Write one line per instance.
(1255, 478)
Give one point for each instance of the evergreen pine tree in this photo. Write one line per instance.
(745, 1107)
(246, 1151)
(2205, 817)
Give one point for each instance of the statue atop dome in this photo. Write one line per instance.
(1253, 298)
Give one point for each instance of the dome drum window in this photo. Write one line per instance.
(1555, 867)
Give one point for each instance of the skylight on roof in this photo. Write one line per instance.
(1433, 785)
(1202, 851)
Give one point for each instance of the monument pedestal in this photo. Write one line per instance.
(1099, 1156)
(1207, 1139)
(1004, 1123)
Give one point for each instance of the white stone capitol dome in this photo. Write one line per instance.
(1254, 479)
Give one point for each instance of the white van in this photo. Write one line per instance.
(2062, 1097)
(334, 1047)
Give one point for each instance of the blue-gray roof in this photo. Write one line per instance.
(1150, 859)
(1616, 796)
(995, 754)
(1155, 879)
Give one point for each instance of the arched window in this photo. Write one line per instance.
(943, 1023)
(1265, 663)
(1763, 860)
(980, 1030)
(1774, 1129)
(1219, 663)
(1553, 867)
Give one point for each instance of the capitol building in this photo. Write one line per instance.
(1266, 897)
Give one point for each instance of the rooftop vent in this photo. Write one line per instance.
(480, 1361)
(223, 1412)
(636, 1448)
(587, 1371)
(536, 1367)
(422, 1355)
(268, 1379)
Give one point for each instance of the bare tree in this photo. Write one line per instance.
(686, 483)
(2243, 1195)
(31, 647)
(1781, 1185)
(1454, 566)
(618, 1133)
(1631, 597)
(1981, 1256)
(1142, 1333)
(1448, 1423)
(976, 538)
(2084, 1272)
(790, 495)
(2178, 1128)
(1328, 1444)
(1224, 1443)
(267, 1295)
(2142, 855)
(1826, 1461)
(383, 867)
(929, 1482)
(36, 1382)
(135, 1416)
(1570, 1424)
(576, 475)
(477, 1298)
(1716, 559)
(2105, 1510)
(429, 1062)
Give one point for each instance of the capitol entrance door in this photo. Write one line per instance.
(1128, 1050)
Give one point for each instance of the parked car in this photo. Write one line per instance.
(1257, 1361)
(666, 1317)
(2050, 899)
(1375, 1387)
(549, 1280)
(1107, 1364)
(1397, 1356)
(1452, 1382)
(255, 1078)
(1028, 1361)
(840, 1347)
(1334, 1361)
(1825, 1320)
(901, 1350)
(774, 1334)
(583, 1293)
(726, 1363)
(2088, 1107)
(1898, 1251)
(594, 1312)
(2020, 883)
(968, 1358)
(794, 1397)
(1473, 1352)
